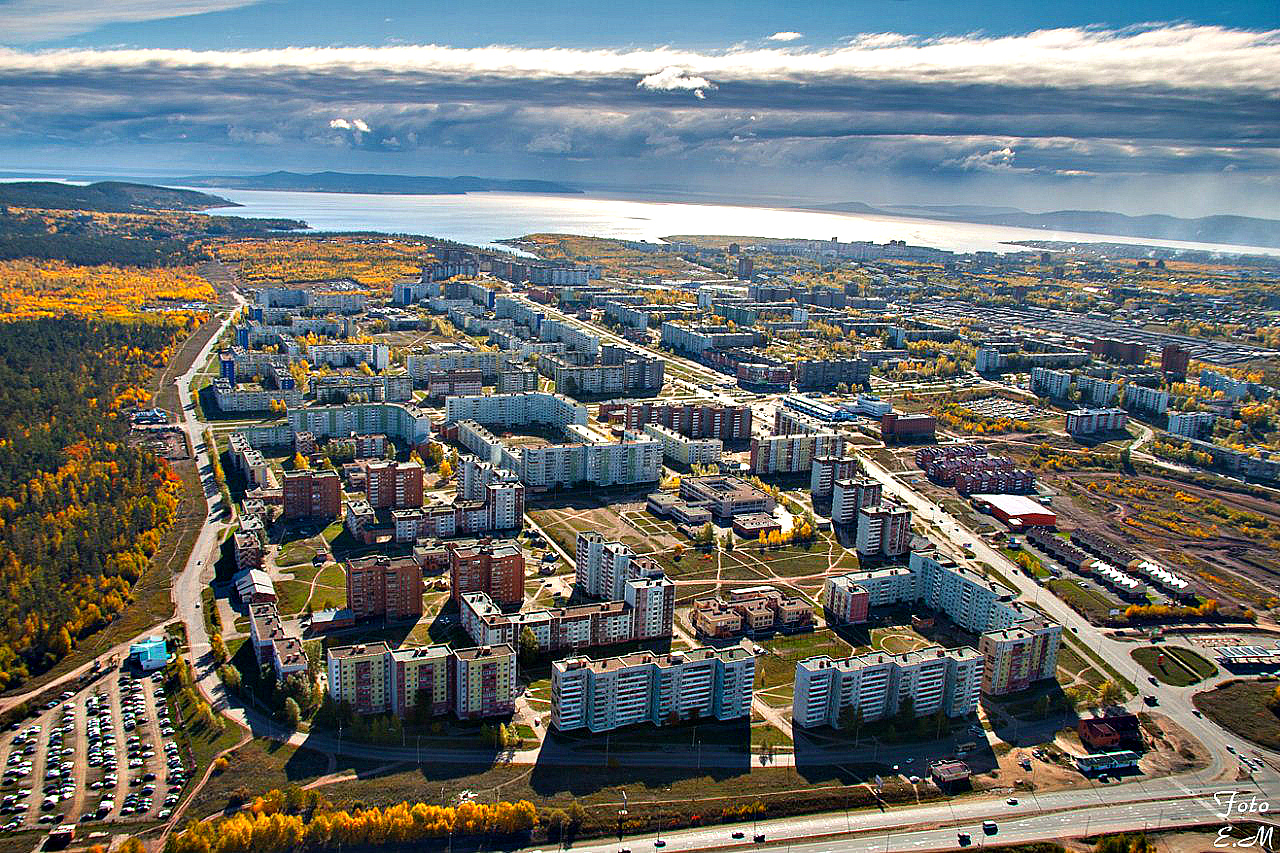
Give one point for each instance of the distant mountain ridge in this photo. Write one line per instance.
(104, 197)
(362, 182)
(1239, 230)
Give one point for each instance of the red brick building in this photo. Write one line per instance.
(393, 485)
(386, 588)
(494, 569)
(896, 428)
(312, 494)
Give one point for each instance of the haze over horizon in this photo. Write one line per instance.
(1157, 108)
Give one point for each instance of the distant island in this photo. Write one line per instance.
(105, 197)
(360, 182)
(1239, 230)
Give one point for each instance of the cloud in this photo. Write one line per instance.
(672, 79)
(1051, 105)
(786, 35)
(356, 124)
(37, 20)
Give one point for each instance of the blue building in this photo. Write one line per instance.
(150, 653)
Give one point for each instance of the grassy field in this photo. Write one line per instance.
(1241, 707)
(1198, 664)
(1090, 604)
(777, 666)
(1164, 666)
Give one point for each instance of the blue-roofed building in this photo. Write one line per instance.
(150, 653)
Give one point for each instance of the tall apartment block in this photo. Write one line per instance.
(393, 485)
(884, 531)
(661, 690)
(1023, 645)
(827, 469)
(496, 569)
(312, 494)
(850, 496)
(876, 685)
(380, 587)
(374, 678)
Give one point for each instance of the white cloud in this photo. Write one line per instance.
(1195, 57)
(355, 124)
(786, 35)
(673, 79)
(34, 20)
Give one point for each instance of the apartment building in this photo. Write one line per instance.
(445, 383)
(683, 450)
(646, 612)
(395, 420)
(792, 454)
(617, 371)
(1095, 421)
(845, 601)
(272, 643)
(884, 531)
(1018, 657)
(1097, 392)
(494, 568)
(312, 494)
(373, 678)
(697, 340)
(877, 685)
(848, 497)
(252, 398)
(517, 380)
(1050, 383)
(393, 485)
(1140, 398)
(421, 366)
(341, 387)
(725, 496)
(972, 602)
(897, 428)
(381, 587)
(694, 420)
(377, 356)
(750, 610)
(661, 690)
(1191, 424)
(249, 462)
(827, 375)
(534, 407)
(827, 469)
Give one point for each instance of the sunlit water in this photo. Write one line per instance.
(482, 218)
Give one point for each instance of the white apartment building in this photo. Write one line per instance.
(884, 531)
(1050, 383)
(877, 685)
(377, 356)
(785, 454)
(850, 496)
(421, 365)
(1092, 421)
(827, 469)
(241, 398)
(651, 688)
(684, 450)
(394, 420)
(532, 407)
(1097, 392)
(1144, 399)
(1191, 424)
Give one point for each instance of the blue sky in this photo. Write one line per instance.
(1141, 107)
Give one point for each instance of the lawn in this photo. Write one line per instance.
(1093, 606)
(1194, 661)
(777, 666)
(1164, 666)
(1241, 707)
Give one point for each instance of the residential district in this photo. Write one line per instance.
(890, 519)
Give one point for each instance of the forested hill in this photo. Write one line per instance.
(105, 197)
(81, 509)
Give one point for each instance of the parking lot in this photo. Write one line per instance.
(104, 753)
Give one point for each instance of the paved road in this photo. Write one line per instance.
(1164, 803)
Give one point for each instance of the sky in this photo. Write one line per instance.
(1141, 107)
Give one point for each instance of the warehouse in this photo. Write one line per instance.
(1017, 511)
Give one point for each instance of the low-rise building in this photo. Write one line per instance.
(725, 496)
(758, 610)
